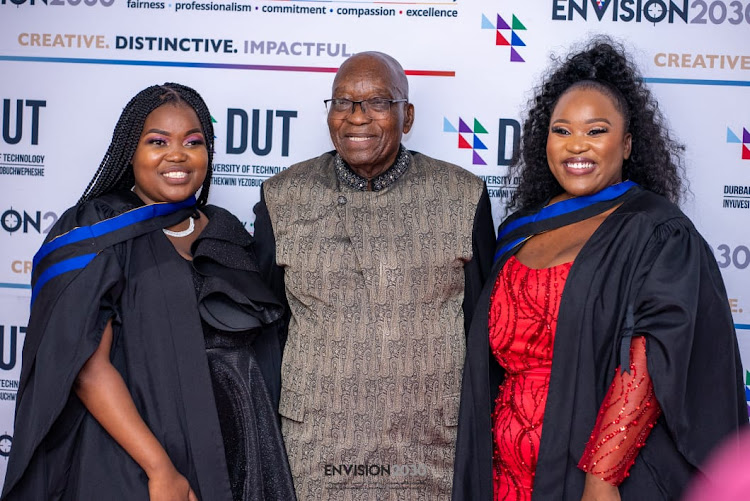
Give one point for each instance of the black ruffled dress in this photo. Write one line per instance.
(235, 309)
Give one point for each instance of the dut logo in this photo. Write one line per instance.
(10, 346)
(745, 141)
(241, 130)
(13, 119)
(468, 138)
(12, 220)
(504, 32)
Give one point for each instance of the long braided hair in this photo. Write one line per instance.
(116, 171)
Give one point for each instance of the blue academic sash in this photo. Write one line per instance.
(518, 229)
(75, 249)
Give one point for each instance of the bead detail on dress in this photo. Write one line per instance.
(522, 323)
(625, 420)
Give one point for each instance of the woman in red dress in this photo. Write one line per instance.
(604, 309)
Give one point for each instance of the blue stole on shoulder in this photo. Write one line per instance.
(517, 229)
(75, 249)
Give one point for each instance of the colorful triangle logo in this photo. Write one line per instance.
(478, 128)
(463, 143)
(517, 25)
(462, 127)
(447, 126)
(502, 39)
(477, 160)
(732, 137)
(501, 24)
(478, 144)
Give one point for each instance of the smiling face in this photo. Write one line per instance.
(171, 160)
(369, 146)
(587, 142)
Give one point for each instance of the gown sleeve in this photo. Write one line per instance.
(273, 277)
(624, 421)
(265, 249)
(693, 357)
(64, 329)
(477, 270)
(680, 307)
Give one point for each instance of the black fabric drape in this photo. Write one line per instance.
(646, 257)
(145, 287)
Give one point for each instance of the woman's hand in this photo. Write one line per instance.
(103, 391)
(597, 489)
(170, 486)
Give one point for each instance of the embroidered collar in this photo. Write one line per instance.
(348, 177)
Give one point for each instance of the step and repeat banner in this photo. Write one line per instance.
(67, 68)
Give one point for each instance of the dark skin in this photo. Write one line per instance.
(170, 164)
(370, 145)
(586, 146)
(560, 245)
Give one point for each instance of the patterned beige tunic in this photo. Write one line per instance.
(372, 366)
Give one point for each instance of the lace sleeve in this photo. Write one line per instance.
(625, 419)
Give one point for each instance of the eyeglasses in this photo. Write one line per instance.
(376, 107)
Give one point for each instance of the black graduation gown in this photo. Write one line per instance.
(645, 271)
(60, 451)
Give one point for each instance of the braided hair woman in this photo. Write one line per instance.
(144, 362)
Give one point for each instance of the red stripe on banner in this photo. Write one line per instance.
(430, 73)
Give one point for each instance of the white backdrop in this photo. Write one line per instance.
(67, 67)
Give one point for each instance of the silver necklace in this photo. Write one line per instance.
(183, 233)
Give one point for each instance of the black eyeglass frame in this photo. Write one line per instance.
(364, 109)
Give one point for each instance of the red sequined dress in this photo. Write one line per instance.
(522, 324)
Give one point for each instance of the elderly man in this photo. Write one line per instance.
(380, 253)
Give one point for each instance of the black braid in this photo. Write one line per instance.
(116, 171)
(656, 158)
